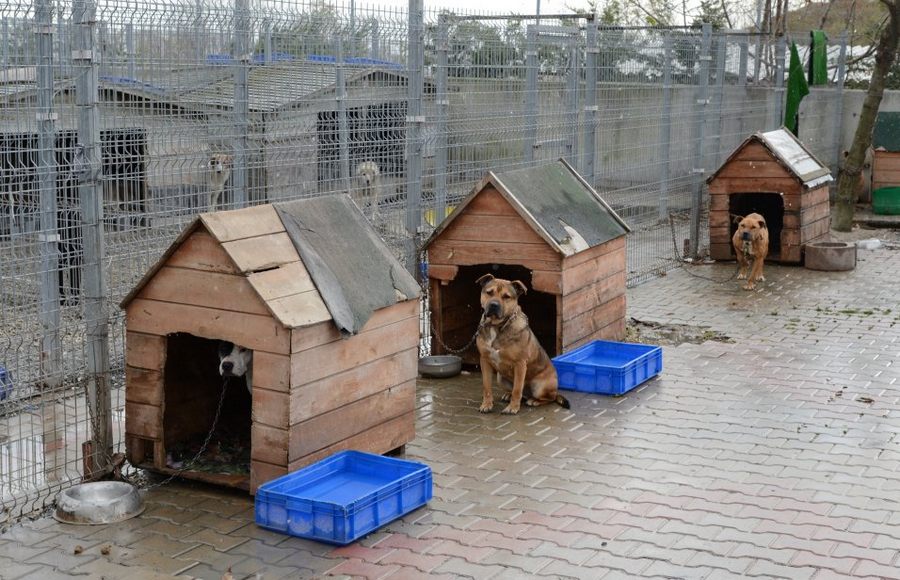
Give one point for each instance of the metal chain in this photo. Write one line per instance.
(468, 344)
(209, 435)
(681, 264)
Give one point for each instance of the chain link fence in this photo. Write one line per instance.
(120, 122)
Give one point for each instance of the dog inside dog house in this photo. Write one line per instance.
(543, 225)
(775, 175)
(331, 319)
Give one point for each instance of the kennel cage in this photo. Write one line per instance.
(547, 227)
(332, 319)
(776, 176)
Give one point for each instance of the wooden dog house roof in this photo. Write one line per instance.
(790, 153)
(556, 202)
(309, 261)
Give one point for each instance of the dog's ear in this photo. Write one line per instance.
(521, 290)
(484, 280)
(736, 218)
(762, 224)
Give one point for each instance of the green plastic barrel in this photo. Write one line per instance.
(886, 201)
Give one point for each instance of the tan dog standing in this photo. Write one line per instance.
(509, 348)
(751, 241)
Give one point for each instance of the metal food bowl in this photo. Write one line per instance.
(440, 366)
(101, 502)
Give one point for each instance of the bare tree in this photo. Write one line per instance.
(848, 176)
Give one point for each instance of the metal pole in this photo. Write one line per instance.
(129, 48)
(699, 123)
(90, 191)
(839, 105)
(352, 28)
(343, 129)
(199, 44)
(716, 153)
(744, 56)
(572, 101)
(4, 77)
(757, 55)
(442, 121)
(414, 121)
(666, 129)
(48, 239)
(242, 58)
(590, 106)
(778, 106)
(373, 49)
(268, 47)
(531, 96)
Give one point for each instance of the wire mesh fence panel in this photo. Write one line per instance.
(164, 110)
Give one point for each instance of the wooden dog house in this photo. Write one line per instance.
(548, 228)
(331, 317)
(776, 176)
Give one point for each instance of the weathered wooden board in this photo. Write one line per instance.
(249, 222)
(262, 252)
(146, 351)
(326, 429)
(380, 438)
(353, 384)
(210, 289)
(250, 330)
(201, 251)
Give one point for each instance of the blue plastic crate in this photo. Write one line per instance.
(608, 368)
(343, 497)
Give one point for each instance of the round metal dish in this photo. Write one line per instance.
(100, 502)
(440, 366)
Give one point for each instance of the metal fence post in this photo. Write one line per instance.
(90, 192)
(414, 123)
(442, 122)
(742, 64)
(839, 105)
(572, 100)
(269, 57)
(242, 60)
(721, 50)
(374, 42)
(590, 106)
(531, 96)
(343, 129)
(129, 49)
(199, 41)
(48, 238)
(666, 128)
(777, 111)
(699, 123)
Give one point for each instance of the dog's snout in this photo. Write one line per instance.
(227, 366)
(493, 307)
(745, 236)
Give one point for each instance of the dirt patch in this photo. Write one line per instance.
(670, 334)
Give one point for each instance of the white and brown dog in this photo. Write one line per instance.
(236, 361)
(751, 243)
(218, 173)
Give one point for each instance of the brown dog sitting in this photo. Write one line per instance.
(508, 347)
(751, 242)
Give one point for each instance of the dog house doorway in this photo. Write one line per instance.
(768, 205)
(193, 390)
(461, 306)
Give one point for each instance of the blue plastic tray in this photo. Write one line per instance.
(608, 368)
(343, 497)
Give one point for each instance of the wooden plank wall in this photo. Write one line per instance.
(885, 169)
(593, 299)
(200, 291)
(353, 393)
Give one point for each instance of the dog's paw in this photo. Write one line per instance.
(506, 397)
(486, 407)
(760, 278)
(741, 276)
(533, 403)
(510, 410)
(749, 287)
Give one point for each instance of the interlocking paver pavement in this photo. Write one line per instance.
(774, 455)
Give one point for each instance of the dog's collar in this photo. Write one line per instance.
(507, 322)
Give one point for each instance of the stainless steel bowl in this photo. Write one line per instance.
(100, 502)
(440, 366)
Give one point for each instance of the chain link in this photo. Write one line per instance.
(681, 262)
